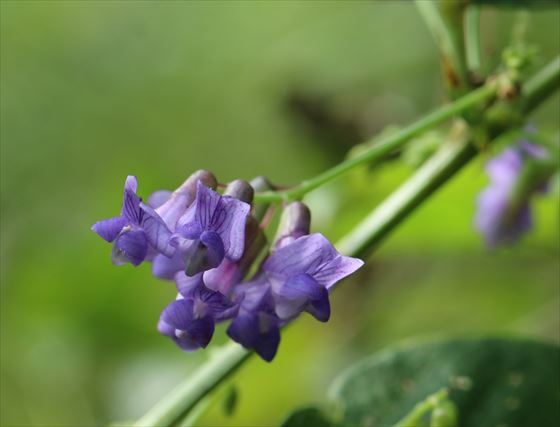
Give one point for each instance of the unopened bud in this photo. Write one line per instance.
(294, 222)
(240, 189)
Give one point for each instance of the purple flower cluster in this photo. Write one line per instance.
(503, 208)
(207, 243)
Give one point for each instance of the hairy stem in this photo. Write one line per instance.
(385, 146)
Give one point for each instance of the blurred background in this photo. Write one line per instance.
(92, 91)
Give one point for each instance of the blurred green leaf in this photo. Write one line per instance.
(492, 381)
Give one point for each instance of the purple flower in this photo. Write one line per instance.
(301, 273)
(190, 320)
(256, 326)
(295, 278)
(503, 212)
(211, 230)
(137, 230)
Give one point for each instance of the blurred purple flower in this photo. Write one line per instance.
(136, 230)
(502, 216)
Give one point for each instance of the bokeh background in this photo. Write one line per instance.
(94, 90)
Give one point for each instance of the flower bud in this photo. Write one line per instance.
(240, 189)
(294, 222)
(444, 415)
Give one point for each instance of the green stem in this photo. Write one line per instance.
(437, 170)
(383, 147)
(174, 407)
(473, 37)
(444, 18)
(541, 85)
(413, 418)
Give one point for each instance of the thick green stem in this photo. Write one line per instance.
(437, 170)
(174, 407)
(385, 146)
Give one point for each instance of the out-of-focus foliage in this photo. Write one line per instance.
(490, 381)
(93, 91)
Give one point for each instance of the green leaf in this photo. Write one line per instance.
(491, 381)
(307, 417)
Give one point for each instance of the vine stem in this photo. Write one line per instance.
(224, 362)
(384, 146)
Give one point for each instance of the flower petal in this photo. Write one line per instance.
(336, 269)
(166, 268)
(206, 203)
(203, 255)
(130, 246)
(178, 314)
(131, 202)
(158, 198)
(165, 329)
(244, 329)
(156, 230)
(201, 330)
(229, 222)
(110, 228)
(321, 307)
(300, 256)
(267, 345)
(188, 286)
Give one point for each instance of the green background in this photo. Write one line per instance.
(92, 91)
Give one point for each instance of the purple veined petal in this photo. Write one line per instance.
(166, 268)
(158, 198)
(229, 221)
(156, 230)
(188, 286)
(186, 343)
(165, 329)
(244, 329)
(301, 256)
(320, 308)
(131, 202)
(205, 205)
(110, 228)
(130, 246)
(336, 269)
(201, 330)
(178, 314)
